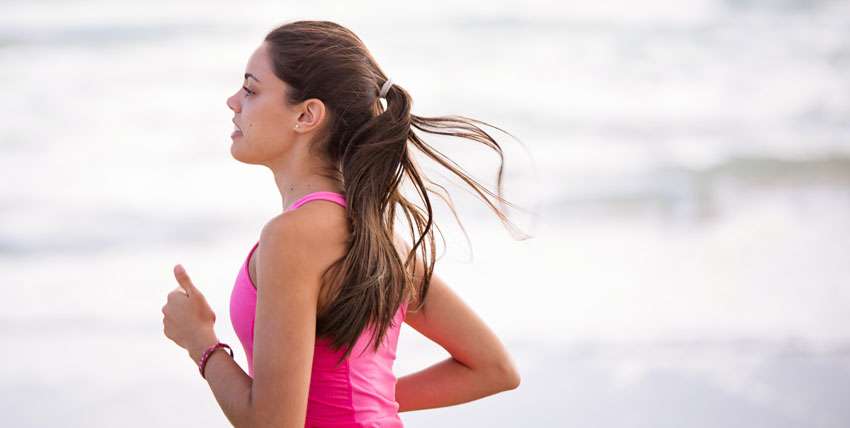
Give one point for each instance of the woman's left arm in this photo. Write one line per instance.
(230, 385)
(294, 250)
(189, 321)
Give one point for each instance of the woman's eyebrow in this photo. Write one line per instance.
(247, 75)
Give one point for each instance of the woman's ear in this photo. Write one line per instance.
(312, 114)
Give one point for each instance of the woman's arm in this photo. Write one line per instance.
(294, 250)
(230, 385)
(479, 364)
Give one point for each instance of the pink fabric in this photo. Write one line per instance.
(360, 392)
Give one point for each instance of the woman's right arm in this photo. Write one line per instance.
(479, 364)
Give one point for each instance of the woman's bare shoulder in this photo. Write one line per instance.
(317, 217)
(319, 227)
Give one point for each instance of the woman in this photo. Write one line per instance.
(320, 298)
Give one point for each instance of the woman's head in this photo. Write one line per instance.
(310, 83)
(315, 89)
(266, 126)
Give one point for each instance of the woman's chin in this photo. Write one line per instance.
(234, 152)
(237, 152)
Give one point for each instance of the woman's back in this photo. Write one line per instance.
(360, 391)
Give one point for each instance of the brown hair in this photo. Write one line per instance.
(368, 148)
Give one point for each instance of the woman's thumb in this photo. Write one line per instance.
(183, 279)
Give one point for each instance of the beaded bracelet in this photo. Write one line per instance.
(203, 363)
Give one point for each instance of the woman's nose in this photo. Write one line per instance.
(231, 103)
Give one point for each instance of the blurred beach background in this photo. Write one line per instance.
(688, 163)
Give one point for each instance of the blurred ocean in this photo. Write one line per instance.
(689, 162)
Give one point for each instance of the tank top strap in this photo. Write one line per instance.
(327, 196)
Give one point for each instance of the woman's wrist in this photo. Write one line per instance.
(197, 348)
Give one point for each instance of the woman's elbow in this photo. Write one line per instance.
(506, 376)
(513, 379)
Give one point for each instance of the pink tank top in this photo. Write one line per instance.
(360, 392)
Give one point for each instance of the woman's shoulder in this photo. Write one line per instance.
(312, 226)
(403, 248)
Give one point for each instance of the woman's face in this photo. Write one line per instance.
(264, 124)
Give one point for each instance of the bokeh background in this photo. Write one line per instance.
(686, 164)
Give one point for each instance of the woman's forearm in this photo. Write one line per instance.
(447, 383)
(230, 385)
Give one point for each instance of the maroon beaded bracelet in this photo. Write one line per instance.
(203, 363)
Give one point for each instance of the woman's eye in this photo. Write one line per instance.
(248, 91)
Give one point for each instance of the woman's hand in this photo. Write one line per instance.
(188, 319)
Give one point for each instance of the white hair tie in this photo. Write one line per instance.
(385, 88)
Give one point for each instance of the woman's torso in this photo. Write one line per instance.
(360, 392)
